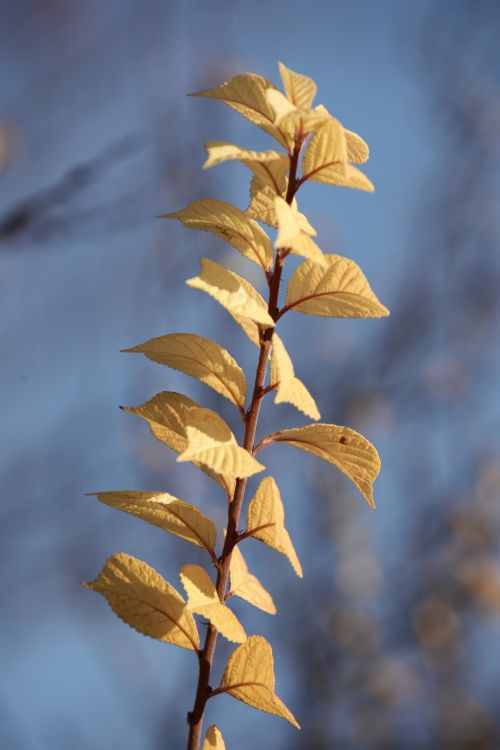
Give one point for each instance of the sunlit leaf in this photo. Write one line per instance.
(247, 586)
(203, 600)
(300, 89)
(249, 677)
(290, 389)
(213, 739)
(340, 290)
(291, 234)
(280, 104)
(140, 597)
(200, 358)
(266, 517)
(325, 157)
(269, 167)
(232, 225)
(357, 150)
(211, 443)
(246, 94)
(352, 453)
(165, 511)
(353, 178)
(233, 292)
(167, 414)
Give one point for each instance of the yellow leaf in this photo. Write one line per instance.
(247, 586)
(246, 94)
(210, 442)
(266, 515)
(200, 358)
(349, 451)
(213, 739)
(167, 512)
(268, 166)
(203, 600)
(300, 89)
(140, 597)
(340, 290)
(325, 157)
(352, 178)
(357, 150)
(236, 294)
(280, 104)
(249, 677)
(291, 235)
(290, 389)
(167, 414)
(262, 202)
(232, 225)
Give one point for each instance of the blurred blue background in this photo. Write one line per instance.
(391, 642)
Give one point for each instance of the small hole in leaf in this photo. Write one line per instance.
(343, 440)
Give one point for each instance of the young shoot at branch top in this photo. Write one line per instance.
(310, 145)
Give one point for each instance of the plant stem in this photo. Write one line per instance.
(203, 690)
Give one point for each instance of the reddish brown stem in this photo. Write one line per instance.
(203, 690)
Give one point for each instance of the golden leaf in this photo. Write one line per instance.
(280, 104)
(340, 290)
(290, 389)
(357, 150)
(266, 515)
(246, 94)
(249, 677)
(140, 597)
(268, 166)
(200, 358)
(325, 157)
(232, 225)
(235, 293)
(213, 739)
(203, 600)
(165, 511)
(247, 586)
(210, 442)
(262, 202)
(166, 415)
(353, 178)
(349, 451)
(291, 234)
(300, 89)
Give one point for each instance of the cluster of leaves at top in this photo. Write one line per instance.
(322, 285)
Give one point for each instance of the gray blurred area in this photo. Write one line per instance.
(392, 640)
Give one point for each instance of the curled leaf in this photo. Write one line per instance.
(167, 512)
(203, 600)
(167, 414)
(269, 167)
(246, 94)
(247, 586)
(349, 451)
(140, 597)
(211, 443)
(291, 234)
(290, 389)
(242, 301)
(200, 358)
(339, 290)
(249, 677)
(213, 739)
(232, 225)
(266, 515)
